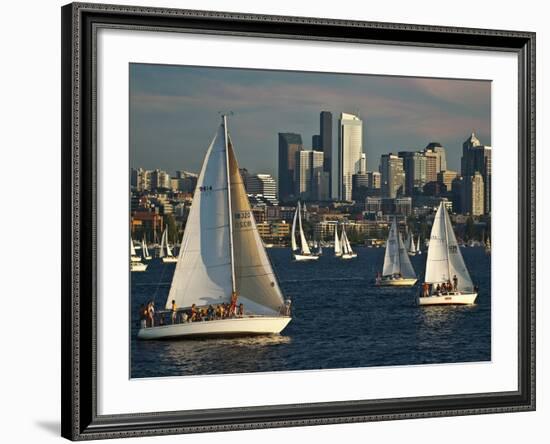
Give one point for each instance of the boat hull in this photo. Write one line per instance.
(403, 282)
(349, 256)
(138, 266)
(246, 326)
(448, 299)
(301, 257)
(169, 259)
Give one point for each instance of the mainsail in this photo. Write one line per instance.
(144, 249)
(293, 234)
(303, 240)
(203, 270)
(221, 250)
(444, 257)
(337, 245)
(396, 259)
(132, 248)
(162, 240)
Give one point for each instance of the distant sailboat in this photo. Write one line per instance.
(488, 246)
(222, 259)
(418, 249)
(135, 260)
(165, 250)
(347, 252)
(144, 250)
(445, 267)
(397, 270)
(412, 247)
(303, 253)
(337, 244)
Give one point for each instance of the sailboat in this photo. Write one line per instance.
(488, 246)
(165, 250)
(303, 253)
(397, 270)
(418, 249)
(337, 245)
(347, 252)
(144, 250)
(412, 247)
(135, 260)
(445, 267)
(222, 259)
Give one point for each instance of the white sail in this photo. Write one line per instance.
(161, 248)
(343, 241)
(132, 248)
(256, 284)
(418, 250)
(305, 247)
(203, 272)
(444, 257)
(144, 249)
(293, 234)
(168, 249)
(391, 256)
(405, 267)
(412, 246)
(337, 244)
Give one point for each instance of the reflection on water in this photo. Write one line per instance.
(340, 320)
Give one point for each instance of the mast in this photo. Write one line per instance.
(229, 209)
(444, 213)
(399, 242)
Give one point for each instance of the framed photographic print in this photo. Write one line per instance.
(278, 221)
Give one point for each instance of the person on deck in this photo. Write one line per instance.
(425, 289)
(455, 283)
(174, 311)
(233, 306)
(193, 313)
(151, 313)
(241, 309)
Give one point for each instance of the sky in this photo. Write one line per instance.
(174, 113)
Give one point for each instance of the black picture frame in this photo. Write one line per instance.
(79, 173)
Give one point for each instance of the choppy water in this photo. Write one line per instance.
(340, 320)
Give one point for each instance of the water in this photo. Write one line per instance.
(340, 320)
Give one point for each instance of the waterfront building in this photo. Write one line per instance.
(289, 145)
(360, 186)
(140, 179)
(160, 180)
(374, 180)
(393, 175)
(264, 185)
(350, 146)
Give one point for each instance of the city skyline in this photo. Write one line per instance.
(172, 109)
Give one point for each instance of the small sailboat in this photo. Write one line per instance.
(397, 270)
(445, 267)
(488, 246)
(135, 260)
(418, 249)
(337, 244)
(303, 253)
(412, 246)
(144, 250)
(347, 252)
(165, 250)
(222, 260)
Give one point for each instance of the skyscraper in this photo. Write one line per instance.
(393, 175)
(415, 166)
(316, 142)
(478, 158)
(473, 195)
(325, 140)
(350, 146)
(289, 144)
(308, 174)
(440, 155)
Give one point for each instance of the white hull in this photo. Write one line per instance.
(135, 259)
(147, 258)
(403, 282)
(302, 257)
(247, 326)
(448, 299)
(349, 256)
(138, 266)
(169, 259)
